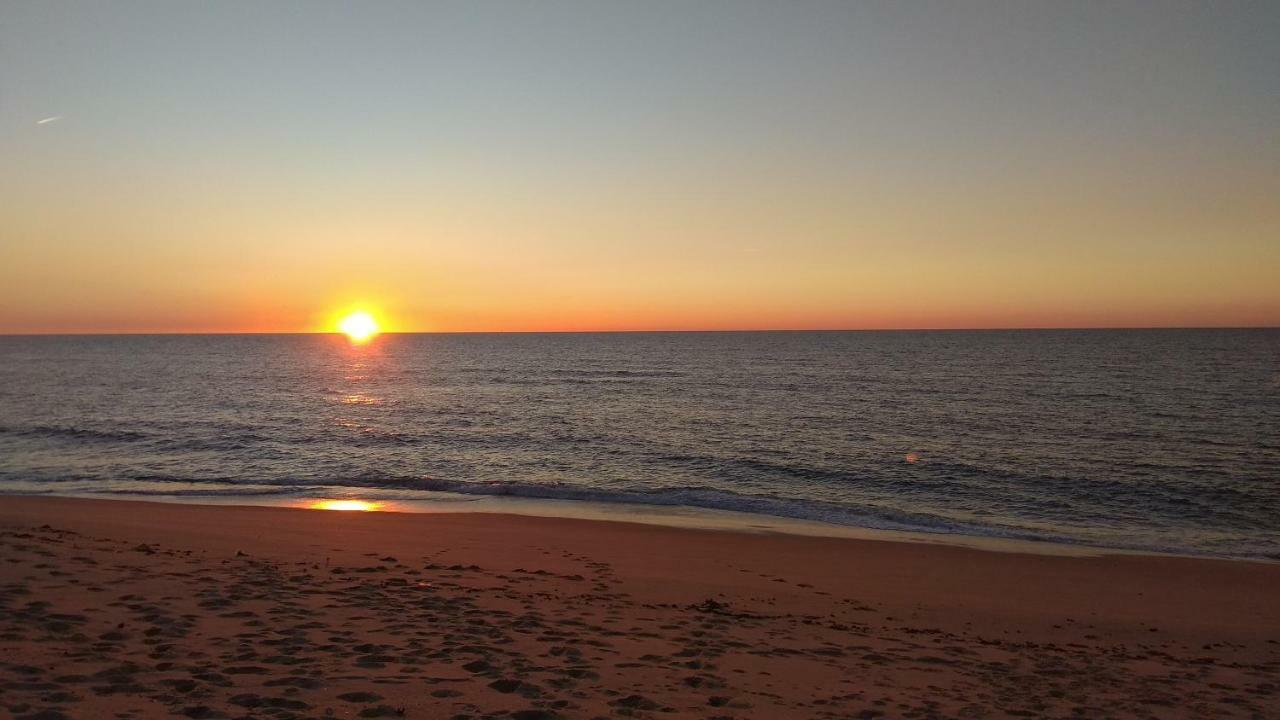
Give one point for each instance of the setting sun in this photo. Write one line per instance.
(345, 505)
(359, 326)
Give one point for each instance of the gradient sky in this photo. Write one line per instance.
(250, 166)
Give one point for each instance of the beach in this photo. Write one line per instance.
(133, 610)
(632, 360)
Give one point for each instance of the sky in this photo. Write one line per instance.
(482, 166)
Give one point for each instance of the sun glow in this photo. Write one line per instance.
(347, 505)
(360, 326)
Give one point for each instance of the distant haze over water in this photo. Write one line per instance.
(1143, 439)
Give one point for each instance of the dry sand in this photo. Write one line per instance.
(131, 610)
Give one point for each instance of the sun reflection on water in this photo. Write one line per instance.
(360, 399)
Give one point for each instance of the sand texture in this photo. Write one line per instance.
(137, 610)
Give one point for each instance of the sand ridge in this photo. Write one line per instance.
(97, 624)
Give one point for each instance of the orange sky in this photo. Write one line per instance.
(579, 167)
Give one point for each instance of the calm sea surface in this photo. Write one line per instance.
(1147, 439)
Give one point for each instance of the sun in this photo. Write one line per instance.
(359, 326)
(345, 505)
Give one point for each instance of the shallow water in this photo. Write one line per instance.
(1140, 439)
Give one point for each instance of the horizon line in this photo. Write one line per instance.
(1045, 328)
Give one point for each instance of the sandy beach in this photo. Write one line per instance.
(112, 609)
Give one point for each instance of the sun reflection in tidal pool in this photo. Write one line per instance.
(345, 505)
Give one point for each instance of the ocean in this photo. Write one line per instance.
(1159, 440)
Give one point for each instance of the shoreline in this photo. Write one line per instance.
(678, 516)
(155, 610)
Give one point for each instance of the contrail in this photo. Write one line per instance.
(54, 118)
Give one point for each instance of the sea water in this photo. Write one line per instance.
(1141, 439)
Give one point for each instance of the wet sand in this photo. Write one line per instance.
(114, 609)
